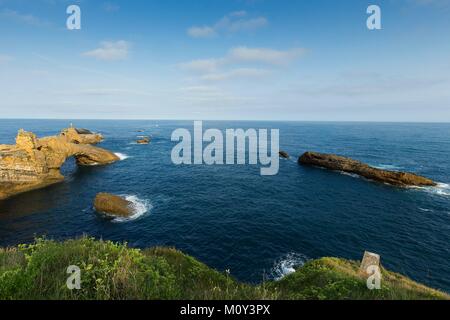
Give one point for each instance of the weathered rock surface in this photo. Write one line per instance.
(81, 136)
(113, 205)
(338, 163)
(34, 163)
(284, 155)
(369, 260)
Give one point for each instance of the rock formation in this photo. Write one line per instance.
(284, 154)
(143, 140)
(34, 163)
(81, 136)
(338, 163)
(113, 205)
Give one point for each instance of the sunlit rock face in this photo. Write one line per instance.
(34, 163)
(338, 163)
(113, 205)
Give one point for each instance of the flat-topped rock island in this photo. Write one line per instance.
(339, 163)
(34, 163)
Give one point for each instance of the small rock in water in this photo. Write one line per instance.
(143, 140)
(284, 154)
(113, 205)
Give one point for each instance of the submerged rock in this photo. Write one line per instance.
(113, 205)
(34, 163)
(284, 155)
(338, 163)
(143, 140)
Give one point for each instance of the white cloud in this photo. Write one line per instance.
(364, 84)
(104, 92)
(202, 92)
(264, 55)
(22, 18)
(232, 65)
(202, 32)
(234, 22)
(205, 95)
(236, 73)
(241, 55)
(437, 3)
(203, 65)
(227, 24)
(110, 51)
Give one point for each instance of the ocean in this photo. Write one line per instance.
(258, 227)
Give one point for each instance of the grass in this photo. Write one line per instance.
(115, 271)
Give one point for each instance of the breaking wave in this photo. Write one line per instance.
(353, 175)
(140, 208)
(390, 167)
(441, 189)
(122, 156)
(287, 265)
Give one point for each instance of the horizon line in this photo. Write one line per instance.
(237, 120)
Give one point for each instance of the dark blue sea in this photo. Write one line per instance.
(259, 227)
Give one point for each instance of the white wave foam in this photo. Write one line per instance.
(122, 156)
(287, 265)
(425, 210)
(441, 189)
(140, 208)
(387, 167)
(353, 175)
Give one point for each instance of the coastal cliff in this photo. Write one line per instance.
(34, 163)
(338, 163)
(114, 271)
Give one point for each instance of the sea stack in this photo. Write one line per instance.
(113, 205)
(339, 163)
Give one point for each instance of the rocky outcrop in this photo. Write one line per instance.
(34, 163)
(143, 140)
(338, 163)
(284, 154)
(113, 205)
(81, 136)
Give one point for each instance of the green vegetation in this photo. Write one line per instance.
(338, 279)
(114, 271)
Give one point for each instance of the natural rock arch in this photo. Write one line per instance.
(34, 163)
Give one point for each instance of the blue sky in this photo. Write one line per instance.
(226, 59)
